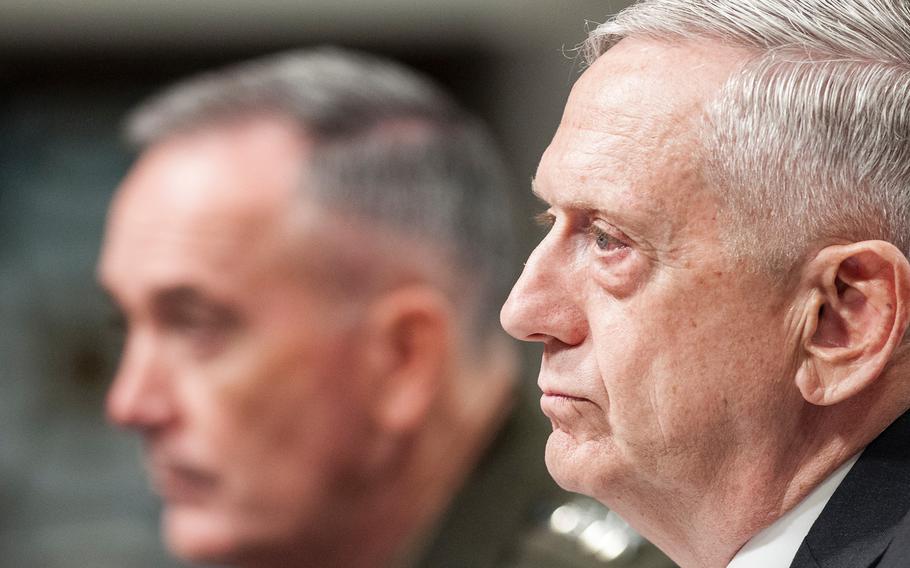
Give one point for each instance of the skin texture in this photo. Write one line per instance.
(669, 372)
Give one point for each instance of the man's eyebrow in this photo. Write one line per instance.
(577, 204)
(633, 229)
(183, 297)
(178, 293)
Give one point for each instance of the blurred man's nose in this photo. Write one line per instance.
(141, 396)
(542, 305)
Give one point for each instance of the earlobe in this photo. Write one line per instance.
(807, 377)
(855, 317)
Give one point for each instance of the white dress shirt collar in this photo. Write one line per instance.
(776, 545)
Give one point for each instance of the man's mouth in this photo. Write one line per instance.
(180, 484)
(560, 404)
(562, 395)
(560, 407)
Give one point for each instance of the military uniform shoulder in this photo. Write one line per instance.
(579, 532)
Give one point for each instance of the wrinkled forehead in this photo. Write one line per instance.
(633, 126)
(651, 92)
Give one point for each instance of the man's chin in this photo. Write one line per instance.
(572, 463)
(561, 459)
(195, 535)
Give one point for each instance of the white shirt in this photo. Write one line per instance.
(776, 545)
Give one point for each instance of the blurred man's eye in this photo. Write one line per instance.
(206, 329)
(204, 324)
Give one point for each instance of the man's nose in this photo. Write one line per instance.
(140, 397)
(543, 304)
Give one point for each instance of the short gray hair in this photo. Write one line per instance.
(445, 186)
(809, 142)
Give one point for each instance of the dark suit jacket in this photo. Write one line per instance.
(866, 522)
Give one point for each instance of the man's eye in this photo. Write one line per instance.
(205, 336)
(205, 329)
(201, 326)
(195, 325)
(604, 240)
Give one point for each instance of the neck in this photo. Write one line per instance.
(449, 454)
(705, 524)
(386, 523)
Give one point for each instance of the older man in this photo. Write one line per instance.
(309, 254)
(724, 290)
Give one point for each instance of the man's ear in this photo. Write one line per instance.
(855, 318)
(410, 345)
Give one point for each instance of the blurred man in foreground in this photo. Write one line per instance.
(724, 291)
(309, 254)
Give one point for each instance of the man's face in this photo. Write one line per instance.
(661, 354)
(239, 369)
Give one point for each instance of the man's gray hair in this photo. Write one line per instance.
(388, 145)
(809, 142)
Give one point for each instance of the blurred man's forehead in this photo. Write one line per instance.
(253, 159)
(208, 201)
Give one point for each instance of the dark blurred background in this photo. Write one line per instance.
(72, 493)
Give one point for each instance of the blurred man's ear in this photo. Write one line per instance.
(855, 318)
(410, 343)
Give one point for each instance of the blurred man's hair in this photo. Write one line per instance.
(389, 146)
(810, 141)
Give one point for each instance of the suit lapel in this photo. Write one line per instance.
(858, 523)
